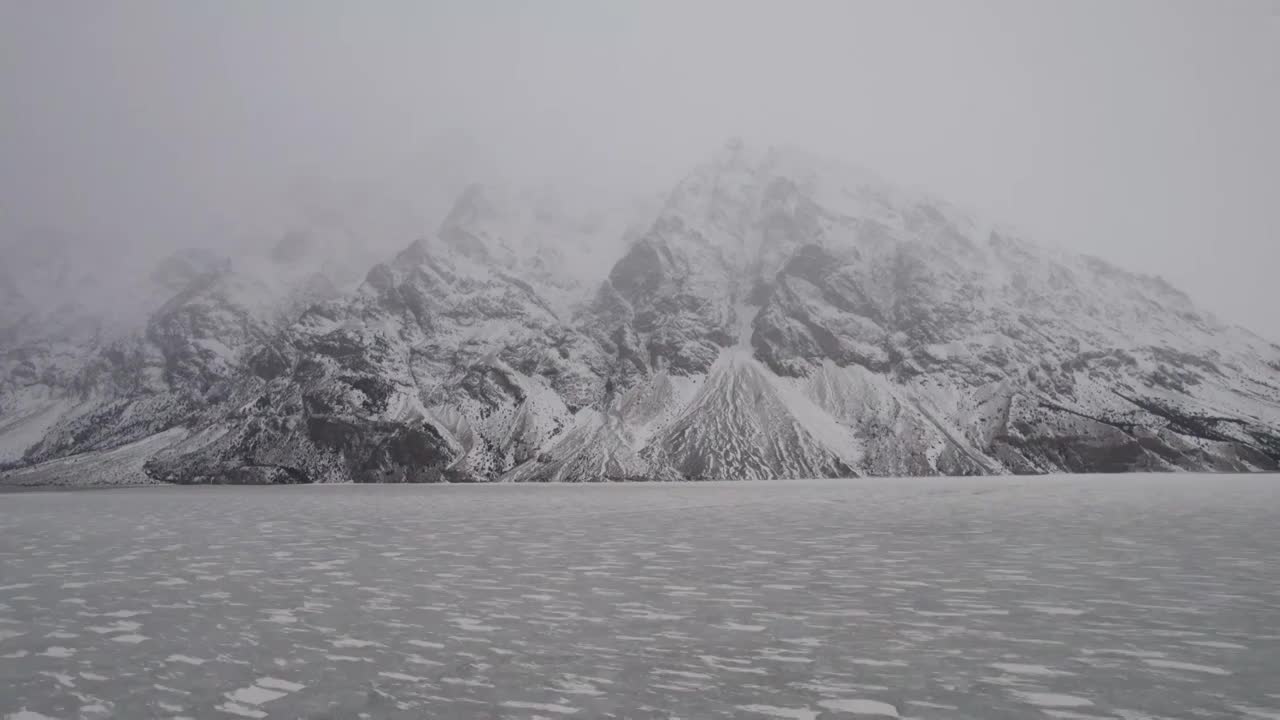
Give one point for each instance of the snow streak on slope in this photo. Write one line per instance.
(744, 424)
(593, 449)
(740, 426)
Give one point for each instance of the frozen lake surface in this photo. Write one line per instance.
(1103, 597)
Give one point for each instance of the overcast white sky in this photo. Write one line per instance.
(1143, 131)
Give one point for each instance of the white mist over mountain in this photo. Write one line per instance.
(1142, 132)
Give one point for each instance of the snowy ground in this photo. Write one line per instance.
(1109, 597)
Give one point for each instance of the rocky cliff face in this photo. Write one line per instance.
(780, 316)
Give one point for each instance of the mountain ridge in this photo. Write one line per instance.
(780, 316)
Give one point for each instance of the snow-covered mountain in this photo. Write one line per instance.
(778, 316)
(157, 343)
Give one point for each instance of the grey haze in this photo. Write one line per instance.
(1141, 131)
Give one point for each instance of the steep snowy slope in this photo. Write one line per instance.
(196, 319)
(99, 347)
(456, 360)
(937, 345)
(780, 316)
(60, 305)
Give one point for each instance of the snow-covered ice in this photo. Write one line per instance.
(1120, 597)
